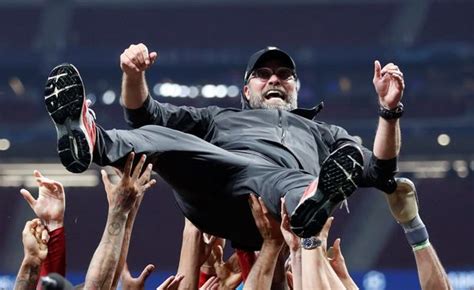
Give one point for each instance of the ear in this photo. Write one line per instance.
(246, 91)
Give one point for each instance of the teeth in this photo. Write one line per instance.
(274, 92)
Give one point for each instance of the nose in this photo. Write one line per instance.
(273, 80)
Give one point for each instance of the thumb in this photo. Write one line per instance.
(153, 56)
(146, 272)
(28, 197)
(337, 247)
(220, 254)
(377, 69)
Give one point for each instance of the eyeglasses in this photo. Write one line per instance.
(265, 73)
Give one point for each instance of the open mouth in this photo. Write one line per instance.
(275, 94)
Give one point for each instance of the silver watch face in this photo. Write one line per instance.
(310, 243)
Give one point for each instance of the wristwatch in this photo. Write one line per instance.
(391, 114)
(310, 243)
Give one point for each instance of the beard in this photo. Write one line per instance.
(258, 101)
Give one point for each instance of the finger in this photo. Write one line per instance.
(105, 178)
(132, 56)
(283, 207)
(149, 184)
(208, 239)
(327, 226)
(146, 175)
(127, 62)
(167, 282)
(390, 66)
(38, 231)
(28, 227)
(337, 247)
(145, 55)
(37, 173)
(330, 253)
(138, 55)
(45, 236)
(220, 254)
(176, 281)
(255, 207)
(153, 57)
(208, 283)
(49, 184)
(394, 72)
(262, 205)
(146, 272)
(127, 170)
(139, 167)
(28, 197)
(377, 68)
(397, 77)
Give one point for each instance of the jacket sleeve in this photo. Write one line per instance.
(186, 119)
(377, 173)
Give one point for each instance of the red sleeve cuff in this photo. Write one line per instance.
(55, 261)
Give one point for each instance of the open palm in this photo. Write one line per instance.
(51, 201)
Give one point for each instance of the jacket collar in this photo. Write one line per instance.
(309, 113)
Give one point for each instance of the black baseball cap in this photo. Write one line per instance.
(269, 52)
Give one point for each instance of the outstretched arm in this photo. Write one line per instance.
(35, 240)
(121, 198)
(261, 274)
(49, 207)
(389, 85)
(317, 272)
(430, 270)
(134, 61)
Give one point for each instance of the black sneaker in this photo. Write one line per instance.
(66, 103)
(338, 179)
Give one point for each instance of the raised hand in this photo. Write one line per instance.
(136, 59)
(172, 283)
(228, 273)
(292, 240)
(123, 195)
(130, 283)
(338, 264)
(51, 202)
(389, 84)
(35, 240)
(268, 227)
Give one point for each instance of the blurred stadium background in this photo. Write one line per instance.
(204, 46)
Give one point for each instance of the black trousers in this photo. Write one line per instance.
(211, 185)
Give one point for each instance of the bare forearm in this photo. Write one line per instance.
(261, 274)
(189, 260)
(430, 271)
(295, 257)
(104, 262)
(134, 90)
(125, 246)
(317, 273)
(387, 139)
(28, 274)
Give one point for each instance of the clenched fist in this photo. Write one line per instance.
(136, 59)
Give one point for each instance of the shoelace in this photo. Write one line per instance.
(345, 203)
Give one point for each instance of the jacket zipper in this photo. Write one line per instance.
(280, 124)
